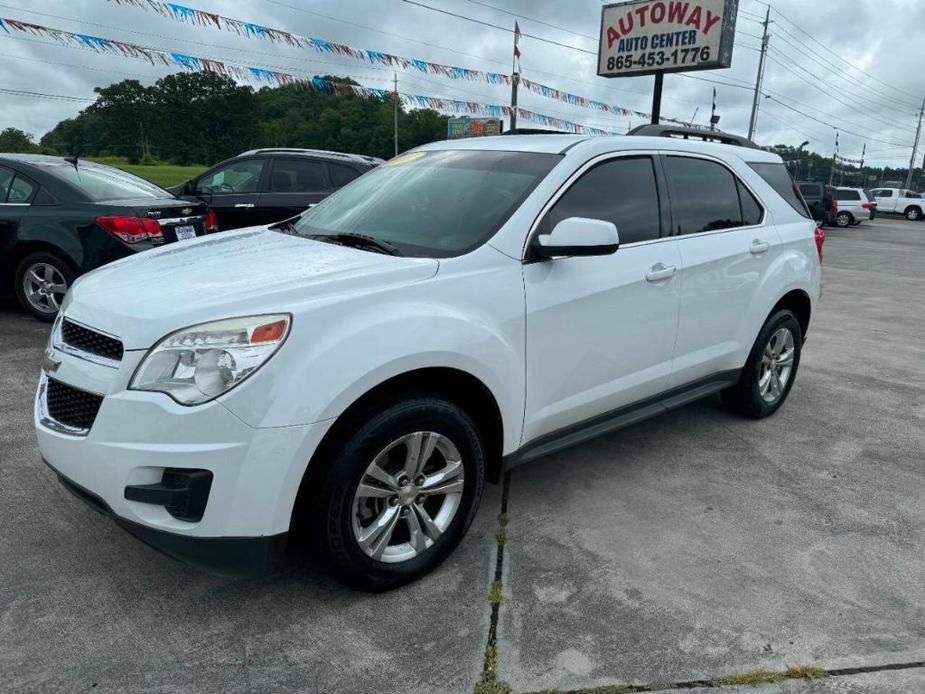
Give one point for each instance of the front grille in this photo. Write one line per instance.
(72, 406)
(90, 341)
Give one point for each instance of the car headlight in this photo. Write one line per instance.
(199, 363)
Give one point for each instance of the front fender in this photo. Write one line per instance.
(337, 354)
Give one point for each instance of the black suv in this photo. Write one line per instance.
(263, 186)
(61, 217)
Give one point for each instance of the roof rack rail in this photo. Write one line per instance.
(535, 131)
(653, 130)
(316, 152)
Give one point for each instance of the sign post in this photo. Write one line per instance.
(652, 37)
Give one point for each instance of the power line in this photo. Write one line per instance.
(533, 19)
(499, 27)
(832, 52)
(43, 95)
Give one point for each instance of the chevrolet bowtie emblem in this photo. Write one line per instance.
(186, 211)
(49, 364)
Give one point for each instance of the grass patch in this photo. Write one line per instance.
(501, 536)
(753, 678)
(496, 594)
(806, 672)
(164, 175)
(490, 683)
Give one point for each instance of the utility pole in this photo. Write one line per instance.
(834, 160)
(395, 113)
(515, 80)
(915, 146)
(764, 49)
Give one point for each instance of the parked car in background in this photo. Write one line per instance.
(61, 217)
(263, 186)
(363, 370)
(900, 201)
(818, 197)
(852, 206)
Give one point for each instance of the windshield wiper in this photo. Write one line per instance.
(287, 225)
(359, 241)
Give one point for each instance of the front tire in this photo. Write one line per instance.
(771, 369)
(40, 281)
(913, 214)
(401, 492)
(843, 219)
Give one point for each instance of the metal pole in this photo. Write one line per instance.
(753, 122)
(395, 113)
(515, 80)
(834, 160)
(918, 131)
(657, 98)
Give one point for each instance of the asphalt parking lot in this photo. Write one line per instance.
(688, 548)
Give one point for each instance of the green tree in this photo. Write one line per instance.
(15, 140)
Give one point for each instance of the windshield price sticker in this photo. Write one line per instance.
(647, 36)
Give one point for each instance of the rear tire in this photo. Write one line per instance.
(40, 281)
(913, 214)
(843, 219)
(420, 525)
(771, 369)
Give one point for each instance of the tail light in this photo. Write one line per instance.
(869, 205)
(834, 208)
(131, 229)
(211, 222)
(820, 239)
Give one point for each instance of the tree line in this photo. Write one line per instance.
(201, 118)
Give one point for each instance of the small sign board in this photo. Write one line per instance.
(465, 126)
(643, 37)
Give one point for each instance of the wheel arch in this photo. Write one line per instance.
(24, 248)
(914, 206)
(455, 385)
(798, 301)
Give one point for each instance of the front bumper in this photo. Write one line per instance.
(137, 436)
(243, 557)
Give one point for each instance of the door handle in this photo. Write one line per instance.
(244, 204)
(758, 247)
(659, 272)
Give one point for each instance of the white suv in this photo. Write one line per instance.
(852, 206)
(463, 308)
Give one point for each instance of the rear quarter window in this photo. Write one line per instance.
(775, 174)
(847, 195)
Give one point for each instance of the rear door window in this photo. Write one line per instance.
(704, 195)
(622, 191)
(752, 213)
(298, 176)
(883, 193)
(847, 195)
(775, 174)
(21, 190)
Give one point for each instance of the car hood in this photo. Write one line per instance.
(245, 272)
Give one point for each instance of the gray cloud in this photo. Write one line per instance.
(873, 34)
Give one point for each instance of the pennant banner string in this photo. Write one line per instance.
(194, 16)
(194, 63)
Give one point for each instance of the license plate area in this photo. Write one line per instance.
(184, 232)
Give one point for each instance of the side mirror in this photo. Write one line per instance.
(577, 236)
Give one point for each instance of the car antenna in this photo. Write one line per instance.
(73, 160)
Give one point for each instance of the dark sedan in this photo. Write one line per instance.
(60, 218)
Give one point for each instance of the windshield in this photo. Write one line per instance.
(107, 183)
(434, 204)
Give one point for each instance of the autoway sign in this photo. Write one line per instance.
(642, 37)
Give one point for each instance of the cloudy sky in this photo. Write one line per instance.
(873, 97)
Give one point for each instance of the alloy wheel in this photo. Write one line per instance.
(776, 365)
(44, 287)
(407, 497)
